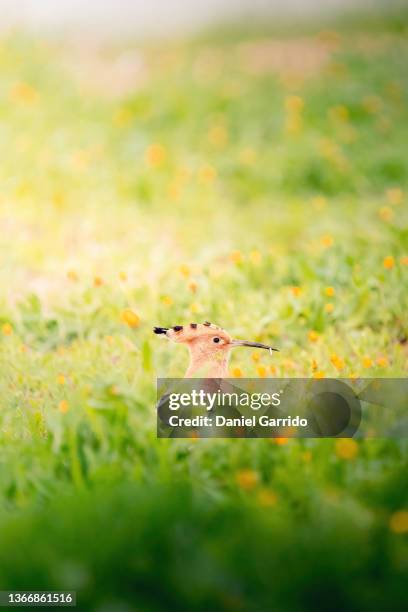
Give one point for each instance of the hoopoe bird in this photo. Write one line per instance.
(209, 345)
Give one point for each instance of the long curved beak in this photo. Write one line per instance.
(253, 344)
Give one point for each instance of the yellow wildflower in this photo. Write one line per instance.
(399, 522)
(395, 195)
(313, 336)
(337, 361)
(155, 155)
(389, 262)
(61, 379)
(367, 362)
(236, 372)
(319, 374)
(386, 213)
(7, 329)
(296, 291)
(346, 448)
(255, 257)
(207, 174)
(266, 498)
(236, 257)
(247, 479)
(167, 300)
(185, 270)
(382, 362)
(195, 308)
(326, 241)
(24, 93)
(281, 441)
(330, 291)
(63, 406)
(130, 318)
(72, 275)
(261, 371)
(329, 308)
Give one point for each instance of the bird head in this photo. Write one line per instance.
(209, 345)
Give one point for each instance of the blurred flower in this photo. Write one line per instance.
(122, 117)
(261, 371)
(346, 448)
(329, 291)
(123, 277)
(288, 364)
(399, 522)
(130, 318)
(280, 441)
(266, 498)
(174, 190)
(314, 364)
(247, 479)
(196, 308)
(319, 374)
(319, 202)
(7, 329)
(24, 93)
(294, 103)
(72, 275)
(256, 356)
(386, 213)
(388, 262)
(329, 308)
(207, 174)
(404, 260)
(372, 104)
(98, 281)
(339, 113)
(218, 135)
(294, 107)
(63, 406)
(394, 195)
(236, 257)
(296, 291)
(185, 270)
(58, 199)
(367, 362)
(382, 362)
(167, 300)
(192, 285)
(326, 241)
(236, 372)
(337, 361)
(255, 257)
(272, 370)
(155, 155)
(313, 336)
(247, 156)
(61, 379)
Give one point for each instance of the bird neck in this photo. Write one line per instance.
(207, 364)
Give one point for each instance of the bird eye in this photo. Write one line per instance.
(216, 340)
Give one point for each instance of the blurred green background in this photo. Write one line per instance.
(253, 176)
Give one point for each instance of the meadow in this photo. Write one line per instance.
(255, 180)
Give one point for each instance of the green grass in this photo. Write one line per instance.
(220, 186)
